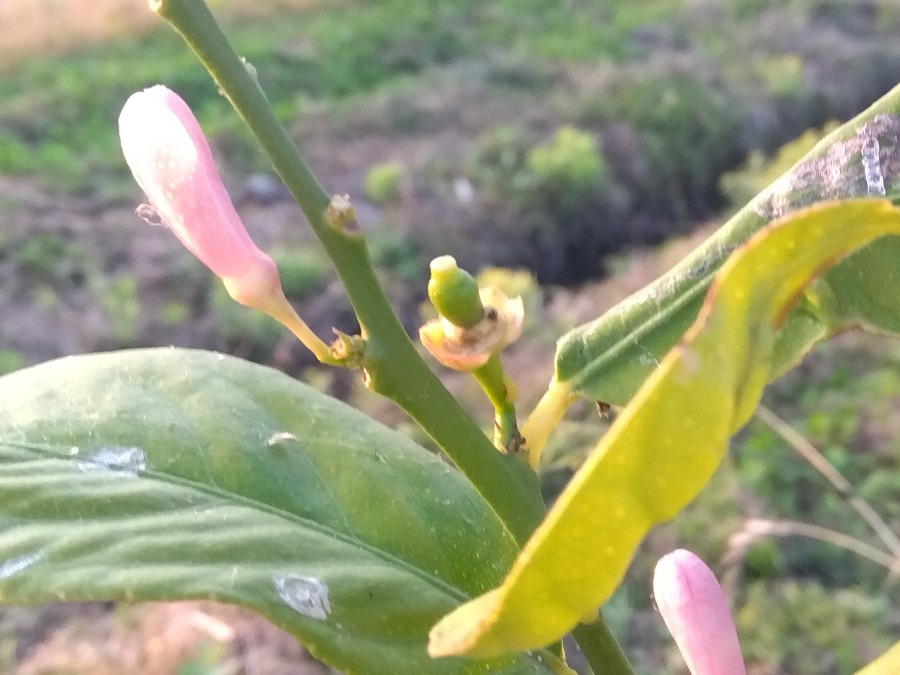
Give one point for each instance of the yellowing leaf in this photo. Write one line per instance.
(886, 664)
(668, 441)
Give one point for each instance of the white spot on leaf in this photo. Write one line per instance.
(647, 359)
(281, 437)
(871, 160)
(116, 461)
(306, 595)
(16, 565)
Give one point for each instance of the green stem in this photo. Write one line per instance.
(392, 363)
(494, 383)
(600, 649)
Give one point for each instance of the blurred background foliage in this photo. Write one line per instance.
(570, 150)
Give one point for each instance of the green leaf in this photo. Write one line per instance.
(608, 358)
(668, 441)
(168, 475)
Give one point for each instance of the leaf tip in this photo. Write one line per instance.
(463, 630)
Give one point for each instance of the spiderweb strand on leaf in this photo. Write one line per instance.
(866, 165)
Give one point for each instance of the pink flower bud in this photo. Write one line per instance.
(696, 613)
(171, 161)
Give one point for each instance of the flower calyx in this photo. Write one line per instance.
(474, 324)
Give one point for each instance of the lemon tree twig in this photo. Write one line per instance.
(817, 460)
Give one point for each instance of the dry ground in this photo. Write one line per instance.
(55, 26)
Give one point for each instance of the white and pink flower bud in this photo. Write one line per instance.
(172, 162)
(697, 615)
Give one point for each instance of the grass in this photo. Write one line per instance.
(57, 115)
(658, 88)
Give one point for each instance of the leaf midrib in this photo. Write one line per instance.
(254, 504)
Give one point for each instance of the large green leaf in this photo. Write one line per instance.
(608, 358)
(168, 474)
(668, 441)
